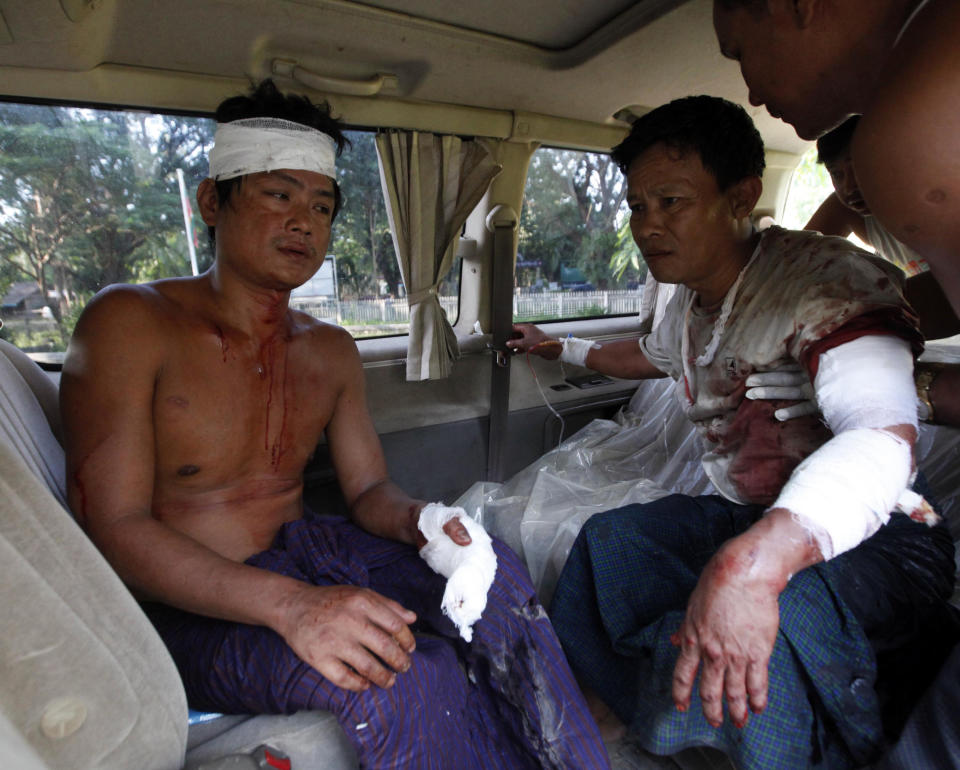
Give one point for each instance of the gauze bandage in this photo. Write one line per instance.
(469, 569)
(845, 491)
(867, 383)
(267, 144)
(575, 350)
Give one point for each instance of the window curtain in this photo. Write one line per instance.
(431, 184)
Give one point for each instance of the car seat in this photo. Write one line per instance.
(85, 681)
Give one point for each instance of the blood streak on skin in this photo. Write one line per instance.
(266, 370)
(276, 449)
(77, 478)
(224, 345)
(82, 513)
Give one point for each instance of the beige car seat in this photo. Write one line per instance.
(85, 681)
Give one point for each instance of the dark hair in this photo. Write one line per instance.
(834, 143)
(266, 101)
(720, 132)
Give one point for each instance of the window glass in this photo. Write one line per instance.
(809, 186)
(365, 292)
(94, 197)
(576, 257)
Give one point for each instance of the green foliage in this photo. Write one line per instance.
(573, 204)
(626, 258)
(809, 187)
(361, 234)
(90, 197)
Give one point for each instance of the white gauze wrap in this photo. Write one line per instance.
(575, 350)
(267, 144)
(845, 491)
(469, 569)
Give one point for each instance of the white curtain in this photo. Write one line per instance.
(431, 184)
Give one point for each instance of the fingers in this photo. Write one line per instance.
(386, 661)
(711, 683)
(520, 339)
(757, 685)
(771, 392)
(735, 688)
(354, 637)
(802, 409)
(342, 675)
(393, 618)
(685, 672)
(457, 532)
(787, 377)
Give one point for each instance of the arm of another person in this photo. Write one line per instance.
(733, 616)
(922, 291)
(107, 391)
(621, 358)
(833, 218)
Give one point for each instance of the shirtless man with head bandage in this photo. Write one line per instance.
(191, 407)
(779, 590)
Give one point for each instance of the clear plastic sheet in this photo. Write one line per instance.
(607, 464)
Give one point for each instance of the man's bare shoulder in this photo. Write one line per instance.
(137, 318)
(137, 304)
(322, 337)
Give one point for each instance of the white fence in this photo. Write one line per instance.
(526, 306)
(575, 304)
(366, 312)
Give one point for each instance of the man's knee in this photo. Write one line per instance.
(435, 685)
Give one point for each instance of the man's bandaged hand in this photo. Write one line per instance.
(469, 569)
(787, 384)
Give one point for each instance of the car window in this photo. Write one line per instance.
(91, 197)
(809, 186)
(576, 257)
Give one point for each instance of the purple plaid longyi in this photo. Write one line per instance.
(507, 700)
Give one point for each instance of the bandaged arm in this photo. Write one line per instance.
(469, 569)
(845, 491)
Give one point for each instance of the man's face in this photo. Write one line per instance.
(275, 228)
(845, 183)
(786, 66)
(679, 218)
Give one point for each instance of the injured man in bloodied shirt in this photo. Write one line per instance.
(652, 592)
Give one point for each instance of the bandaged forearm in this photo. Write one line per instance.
(846, 490)
(575, 350)
(469, 569)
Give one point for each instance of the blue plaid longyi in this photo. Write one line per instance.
(625, 586)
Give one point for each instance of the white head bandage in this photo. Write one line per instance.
(267, 144)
